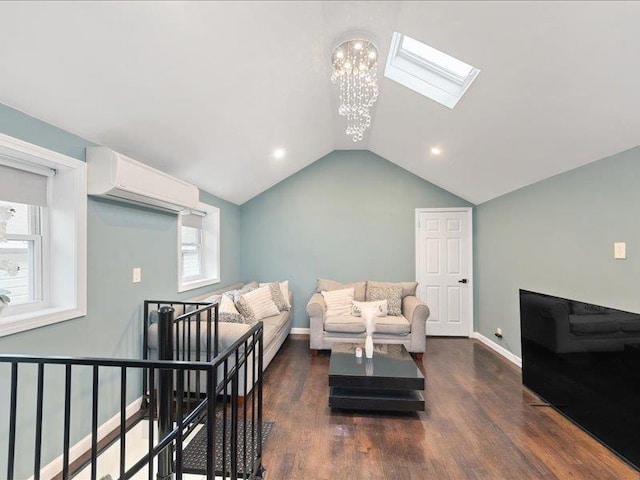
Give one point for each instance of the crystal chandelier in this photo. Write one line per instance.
(354, 70)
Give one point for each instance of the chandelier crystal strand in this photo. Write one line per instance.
(354, 70)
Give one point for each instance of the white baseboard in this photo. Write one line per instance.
(301, 331)
(501, 350)
(84, 445)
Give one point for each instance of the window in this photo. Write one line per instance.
(22, 256)
(198, 247)
(428, 71)
(43, 257)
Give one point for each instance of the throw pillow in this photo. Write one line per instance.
(212, 299)
(408, 288)
(279, 294)
(257, 304)
(581, 308)
(249, 287)
(393, 296)
(330, 285)
(338, 302)
(227, 311)
(356, 309)
(284, 286)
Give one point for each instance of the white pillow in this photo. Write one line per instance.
(227, 305)
(381, 305)
(257, 304)
(284, 287)
(338, 302)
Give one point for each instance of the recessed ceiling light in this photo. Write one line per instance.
(436, 150)
(278, 153)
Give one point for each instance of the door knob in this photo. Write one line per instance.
(464, 280)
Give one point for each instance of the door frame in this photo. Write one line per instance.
(469, 212)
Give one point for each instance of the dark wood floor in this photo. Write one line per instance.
(478, 424)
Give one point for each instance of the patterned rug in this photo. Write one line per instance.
(194, 459)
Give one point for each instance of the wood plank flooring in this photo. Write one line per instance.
(478, 424)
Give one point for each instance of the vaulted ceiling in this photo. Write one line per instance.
(207, 91)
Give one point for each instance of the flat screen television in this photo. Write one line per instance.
(584, 360)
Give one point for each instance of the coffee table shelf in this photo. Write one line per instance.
(390, 381)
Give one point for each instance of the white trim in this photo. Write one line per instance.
(513, 358)
(301, 331)
(469, 212)
(14, 147)
(55, 467)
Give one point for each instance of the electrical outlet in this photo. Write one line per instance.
(137, 275)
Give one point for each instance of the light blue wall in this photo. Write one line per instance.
(120, 237)
(557, 237)
(348, 216)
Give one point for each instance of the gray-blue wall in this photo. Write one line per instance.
(557, 237)
(348, 216)
(120, 237)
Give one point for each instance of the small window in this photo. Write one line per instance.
(21, 255)
(428, 71)
(198, 247)
(43, 230)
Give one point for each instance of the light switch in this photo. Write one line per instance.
(620, 250)
(137, 275)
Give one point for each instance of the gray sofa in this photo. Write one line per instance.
(407, 329)
(569, 326)
(276, 330)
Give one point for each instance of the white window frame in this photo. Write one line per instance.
(39, 282)
(424, 77)
(65, 273)
(210, 250)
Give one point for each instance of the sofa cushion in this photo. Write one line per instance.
(397, 325)
(278, 297)
(408, 288)
(381, 306)
(330, 285)
(593, 324)
(338, 302)
(344, 324)
(257, 304)
(278, 322)
(284, 288)
(581, 308)
(227, 311)
(392, 294)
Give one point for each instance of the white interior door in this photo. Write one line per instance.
(444, 267)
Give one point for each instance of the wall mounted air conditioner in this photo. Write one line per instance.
(114, 176)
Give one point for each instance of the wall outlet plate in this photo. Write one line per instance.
(137, 275)
(620, 250)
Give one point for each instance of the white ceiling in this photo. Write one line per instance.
(207, 91)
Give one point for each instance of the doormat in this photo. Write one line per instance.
(194, 457)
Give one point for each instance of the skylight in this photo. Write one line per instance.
(428, 71)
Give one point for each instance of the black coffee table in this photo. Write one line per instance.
(390, 381)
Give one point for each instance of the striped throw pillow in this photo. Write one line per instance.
(257, 304)
(338, 302)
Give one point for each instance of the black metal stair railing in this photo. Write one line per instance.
(175, 405)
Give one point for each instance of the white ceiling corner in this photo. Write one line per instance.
(207, 90)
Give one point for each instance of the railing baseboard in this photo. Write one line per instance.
(54, 468)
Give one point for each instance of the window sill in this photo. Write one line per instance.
(204, 282)
(11, 324)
